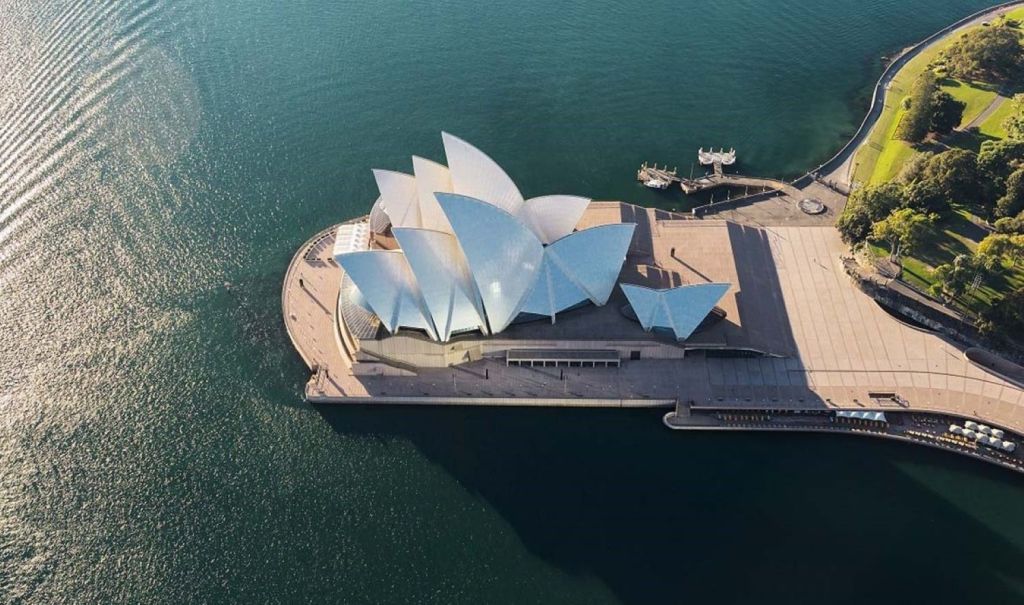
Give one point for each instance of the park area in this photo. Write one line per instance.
(958, 228)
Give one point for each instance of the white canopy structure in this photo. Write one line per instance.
(474, 255)
(862, 415)
(679, 309)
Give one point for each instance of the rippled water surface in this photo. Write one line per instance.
(161, 161)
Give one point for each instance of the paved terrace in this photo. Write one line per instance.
(840, 349)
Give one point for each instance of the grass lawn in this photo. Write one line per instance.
(882, 155)
(976, 95)
(955, 233)
(992, 127)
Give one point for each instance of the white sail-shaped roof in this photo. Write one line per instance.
(593, 258)
(679, 309)
(473, 254)
(579, 267)
(431, 178)
(552, 217)
(553, 290)
(444, 280)
(503, 255)
(399, 197)
(386, 282)
(475, 174)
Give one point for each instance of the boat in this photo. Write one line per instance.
(656, 184)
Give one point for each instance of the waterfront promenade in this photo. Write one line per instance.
(839, 169)
(839, 349)
(834, 176)
(834, 348)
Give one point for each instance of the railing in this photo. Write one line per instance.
(877, 104)
(890, 71)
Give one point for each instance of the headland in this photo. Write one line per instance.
(794, 345)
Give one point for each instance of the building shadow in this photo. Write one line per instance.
(662, 516)
(667, 516)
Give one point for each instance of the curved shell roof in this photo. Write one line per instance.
(474, 254)
(444, 280)
(678, 309)
(475, 174)
(503, 254)
(579, 267)
(553, 217)
(387, 284)
(398, 197)
(431, 178)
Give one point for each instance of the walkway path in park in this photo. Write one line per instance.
(839, 168)
(984, 115)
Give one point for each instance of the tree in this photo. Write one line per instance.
(868, 205)
(955, 172)
(913, 168)
(1010, 224)
(904, 230)
(1005, 317)
(946, 112)
(1012, 202)
(1014, 123)
(952, 280)
(989, 54)
(998, 159)
(925, 195)
(916, 120)
(998, 246)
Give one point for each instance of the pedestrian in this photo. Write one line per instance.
(301, 285)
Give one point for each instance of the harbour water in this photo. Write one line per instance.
(161, 161)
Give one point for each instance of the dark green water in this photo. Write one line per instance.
(159, 164)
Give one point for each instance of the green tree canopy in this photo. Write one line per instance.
(952, 280)
(946, 112)
(925, 195)
(868, 205)
(904, 230)
(989, 54)
(1012, 202)
(1005, 317)
(998, 159)
(1014, 123)
(955, 173)
(913, 168)
(916, 120)
(998, 246)
(1010, 224)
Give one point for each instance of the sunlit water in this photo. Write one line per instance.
(161, 161)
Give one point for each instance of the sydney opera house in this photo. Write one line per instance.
(455, 254)
(455, 289)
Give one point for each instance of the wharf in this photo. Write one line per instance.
(656, 178)
(918, 427)
(662, 178)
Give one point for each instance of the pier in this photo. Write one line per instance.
(656, 178)
(662, 178)
(919, 427)
(757, 200)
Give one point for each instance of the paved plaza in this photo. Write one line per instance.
(830, 345)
